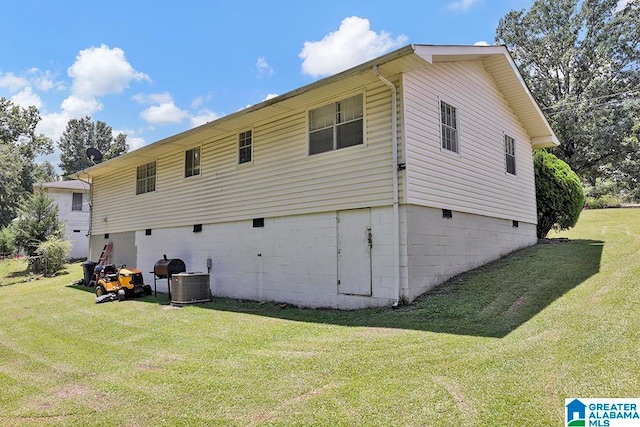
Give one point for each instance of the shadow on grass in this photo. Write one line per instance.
(490, 301)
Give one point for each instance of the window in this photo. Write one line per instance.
(146, 178)
(76, 202)
(335, 126)
(192, 162)
(449, 119)
(244, 147)
(510, 154)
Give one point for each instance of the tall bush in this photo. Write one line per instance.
(7, 246)
(558, 193)
(53, 253)
(37, 221)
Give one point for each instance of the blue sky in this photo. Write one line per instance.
(154, 69)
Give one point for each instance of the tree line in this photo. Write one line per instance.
(20, 146)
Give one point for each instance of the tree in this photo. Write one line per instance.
(7, 247)
(11, 191)
(18, 126)
(19, 145)
(558, 193)
(629, 170)
(580, 58)
(45, 172)
(37, 221)
(83, 133)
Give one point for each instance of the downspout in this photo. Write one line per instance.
(90, 209)
(396, 201)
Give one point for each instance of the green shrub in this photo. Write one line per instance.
(53, 253)
(7, 246)
(37, 221)
(602, 202)
(559, 193)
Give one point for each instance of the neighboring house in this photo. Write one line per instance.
(72, 198)
(361, 189)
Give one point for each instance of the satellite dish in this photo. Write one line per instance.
(94, 155)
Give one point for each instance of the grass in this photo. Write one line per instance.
(502, 345)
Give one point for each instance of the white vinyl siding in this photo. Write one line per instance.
(475, 181)
(283, 179)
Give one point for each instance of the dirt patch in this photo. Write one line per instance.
(314, 392)
(72, 391)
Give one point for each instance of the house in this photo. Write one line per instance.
(72, 198)
(361, 189)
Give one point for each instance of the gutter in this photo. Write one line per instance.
(396, 198)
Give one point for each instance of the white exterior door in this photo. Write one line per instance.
(354, 252)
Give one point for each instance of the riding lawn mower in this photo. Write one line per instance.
(121, 281)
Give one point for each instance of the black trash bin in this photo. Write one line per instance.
(87, 269)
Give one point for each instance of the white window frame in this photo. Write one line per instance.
(510, 154)
(74, 205)
(195, 170)
(242, 147)
(445, 127)
(146, 178)
(334, 126)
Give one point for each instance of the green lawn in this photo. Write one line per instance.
(503, 345)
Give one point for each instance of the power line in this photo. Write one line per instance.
(588, 107)
(563, 106)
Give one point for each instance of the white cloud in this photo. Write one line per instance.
(269, 96)
(462, 5)
(26, 98)
(196, 103)
(153, 98)
(45, 80)
(101, 71)
(481, 43)
(264, 70)
(133, 141)
(352, 44)
(53, 125)
(136, 142)
(97, 71)
(621, 5)
(75, 106)
(12, 82)
(164, 113)
(203, 116)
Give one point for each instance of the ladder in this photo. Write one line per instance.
(104, 257)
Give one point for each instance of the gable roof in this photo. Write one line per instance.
(497, 60)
